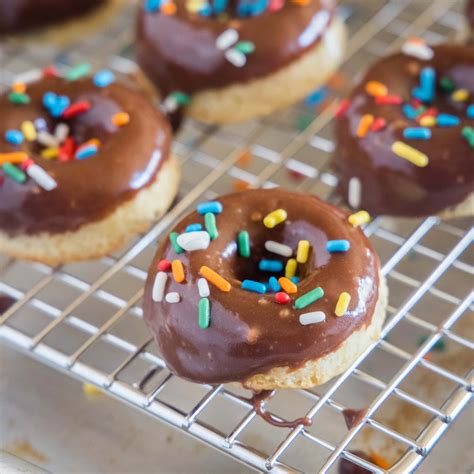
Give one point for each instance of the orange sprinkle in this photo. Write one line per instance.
(245, 158)
(364, 125)
(240, 185)
(178, 270)
(212, 277)
(19, 87)
(14, 157)
(300, 2)
(380, 461)
(287, 285)
(93, 141)
(120, 119)
(168, 8)
(376, 89)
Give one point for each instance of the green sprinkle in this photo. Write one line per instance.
(468, 134)
(210, 223)
(439, 345)
(79, 71)
(14, 172)
(181, 98)
(19, 98)
(303, 121)
(174, 242)
(243, 241)
(447, 84)
(204, 313)
(245, 47)
(309, 298)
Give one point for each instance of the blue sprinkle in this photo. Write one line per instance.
(251, 7)
(295, 280)
(337, 246)
(427, 83)
(447, 120)
(417, 133)
(470, 111)
(14, 137)
(254, 286)
(49, 99)
(409, 112)
(104, 78)
(41, 125)
(270, 265)
(316, 97)
(267, 288)
(212, 206)
(206, 11)
(274, 285)
(152, 5)
(86, 152)
(193, 228)
(219, 6)
(55, 104)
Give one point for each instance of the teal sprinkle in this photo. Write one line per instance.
(174, 242)
(210, 223)
(309, 298)
(204, 313)
(439, 345)
(245, 47)
(79, 71)
(19, 98)
(468, 134)
(181, 98)
(447, 84)
(15, 173)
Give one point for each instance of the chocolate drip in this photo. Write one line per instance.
(6, 302)
(348, 467)
(353, 417)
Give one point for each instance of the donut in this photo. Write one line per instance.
(266, 288)
(84, 165)
(405, 137)
(231, 61)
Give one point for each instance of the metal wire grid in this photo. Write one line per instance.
(86, 319)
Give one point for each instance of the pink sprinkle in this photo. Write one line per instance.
(378, 124)
(342, 108)
(26, 164)
(50, 71)
(275, 5)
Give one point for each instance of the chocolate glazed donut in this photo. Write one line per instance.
(20, 15)
(249, 333)
(389, 183)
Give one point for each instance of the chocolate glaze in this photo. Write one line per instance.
(20, 15)
(249, 333)
(470, 12)
(348, 467)
(178, 52)
(6, 302)
(393, 185)
(90, 189)
(353, 417)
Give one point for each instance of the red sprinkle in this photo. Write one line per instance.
(26, 164)
(76, 109)
(282, 298)
(378, 124)
(431, 112)
(164, 265)
(50, 71)
(342, 108)
(388, 100)
(66, 152)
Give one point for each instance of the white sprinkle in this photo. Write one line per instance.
(47, 139)
(312, 318)
(279, 249)
(235, 57)
(227, 39)
(61, 132)
(354, 193)
(42, 178)
(29, 76)
(159, 286)
(170, 104)
(190, 241)
(172, 297)
(418, 50)
(203, 288)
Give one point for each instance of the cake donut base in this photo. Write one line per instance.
(95, 239)
(318, 371)
(464, 209)
(259, 97)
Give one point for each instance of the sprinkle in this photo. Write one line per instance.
(55, 104)
(120, 119)
(159, 284)
(279, 249)
(104, 78)
(15, 173)
(447, 120)
(15, 137)
(211, 206)
(354, 192)
(172, 297)
(235, 57)
(29, 131)
(427, 121)
(309, 298)
(364, 125)
(470, 111)
(418, 49)
(13, 157)
(243, 241)
(270, 266)
(388, 100)
(227, 39)
(342, 304)
(253, 286)
(76, 109)
(417, 133)
(204, 313)
(212, 277)
(359, 218)
(61, 132)
(376, 89)
(426, 91)
(274, 218)
(245, 47)
(164, 265)
(409, 112)
(312, 318)
(460, 95)
(295, 280)
(41, 178)
(210, 223)
(86, 152)
(290, 268)
(288, 285)
(203, 288)
(302, 252)
(337, 246)
(468, 134)
(77, 72)
(177, 270)
(342, 108)
(378, 124)
(273, 284)
(168, 8)
(282, 298)
(409, 153)
(174, 242)
(19, 87)
(41, 125)
(191, 241)
(19, 98)
(46, 139)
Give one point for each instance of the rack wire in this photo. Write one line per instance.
(86, 319)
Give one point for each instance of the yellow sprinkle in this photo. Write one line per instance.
(409, 153)
(460, 95)
(302, 252)
(364, 124)
(376, 89)
(274, 218)
(359, 218)
(120, 119)
(213, 277)
(29, 131)
(91, 391)
(342, 304)
(428, 121)
(194, 6)
(49, 153)
(19, 87)
(290, 268)
(288, 285)
(178, 270)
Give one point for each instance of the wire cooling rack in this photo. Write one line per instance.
(85, 319)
